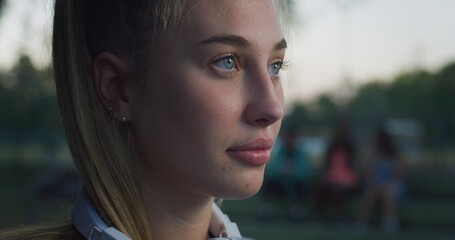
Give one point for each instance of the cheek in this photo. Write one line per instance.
(206, 109)
(203, 104)
(187, 112)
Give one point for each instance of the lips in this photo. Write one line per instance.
(256, 152)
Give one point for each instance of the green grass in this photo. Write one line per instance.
(292, 231)
(281, 226)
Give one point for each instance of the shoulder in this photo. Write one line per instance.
(61, 231)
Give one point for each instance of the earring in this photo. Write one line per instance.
(122, 119)
(117, 117)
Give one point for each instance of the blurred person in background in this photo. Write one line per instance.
(383, 183)
(286, 176)
(338, 177)
(166, 105)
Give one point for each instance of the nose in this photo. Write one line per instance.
(265, 100)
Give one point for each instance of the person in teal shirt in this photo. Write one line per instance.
(287, 175)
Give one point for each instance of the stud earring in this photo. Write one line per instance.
(122, 119)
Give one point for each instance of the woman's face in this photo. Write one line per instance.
(212, 114)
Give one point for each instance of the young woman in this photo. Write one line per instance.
(166, 106)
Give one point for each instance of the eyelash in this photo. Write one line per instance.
(283, 67)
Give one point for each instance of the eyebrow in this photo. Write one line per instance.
(226, 39)
(237, 41)
(281, 44)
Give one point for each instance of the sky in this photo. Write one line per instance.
(335, 45)
(367, 40)
(25, 27)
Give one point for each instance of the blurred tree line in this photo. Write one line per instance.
(421, 96)
(2, 2)
(28, 104)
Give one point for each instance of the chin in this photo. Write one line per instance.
(246, 188)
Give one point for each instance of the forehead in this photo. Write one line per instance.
(255, 20)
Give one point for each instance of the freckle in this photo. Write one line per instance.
(224, 168)
(247, 185)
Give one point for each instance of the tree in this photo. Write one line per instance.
(421, 96)
(2, 3)
(29, 101)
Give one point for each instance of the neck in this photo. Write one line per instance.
(175, 212)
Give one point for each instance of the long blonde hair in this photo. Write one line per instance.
(82, 30)
(130, 29)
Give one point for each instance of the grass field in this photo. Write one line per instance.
(282, 226)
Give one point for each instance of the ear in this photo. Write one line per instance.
(110, 75)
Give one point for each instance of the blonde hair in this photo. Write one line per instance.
(82, 30)
(130, 29)
(60, 231)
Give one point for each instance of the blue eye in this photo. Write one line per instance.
(226, 63)
(274, 68)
